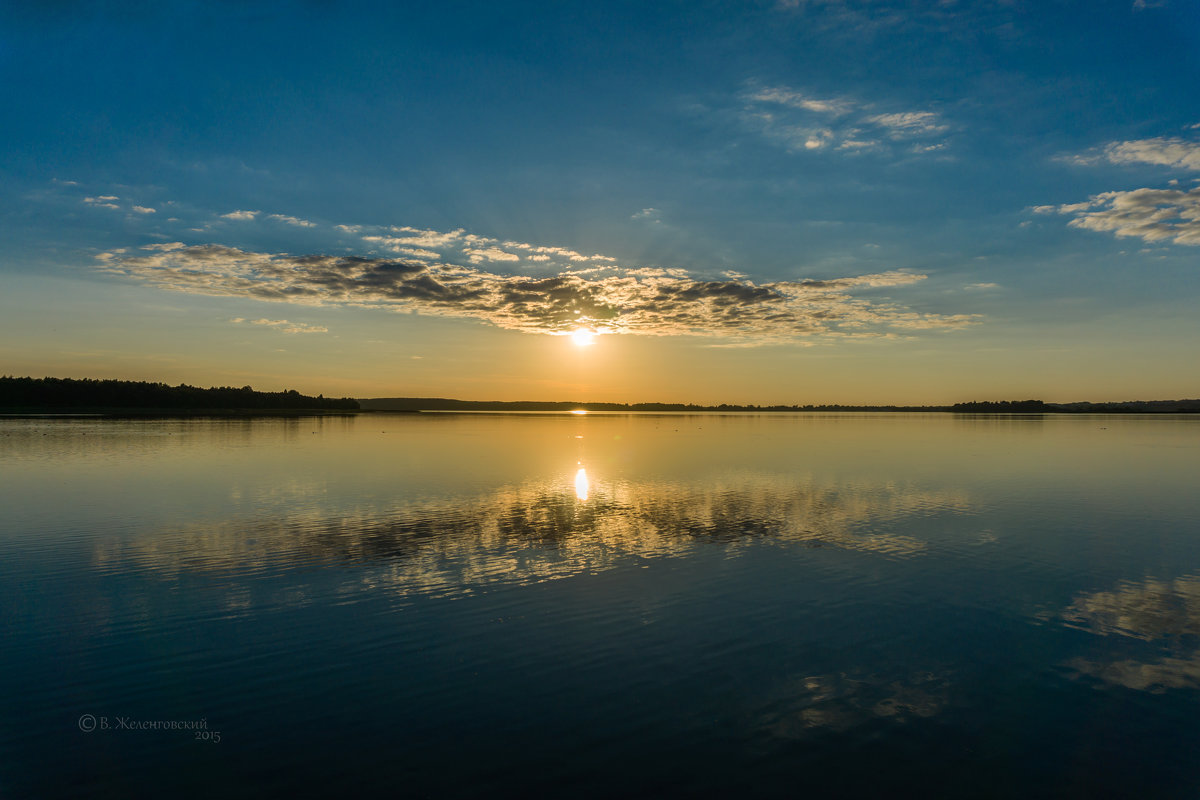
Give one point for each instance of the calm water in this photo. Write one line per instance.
(601, 606)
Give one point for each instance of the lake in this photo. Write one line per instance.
(601, 605)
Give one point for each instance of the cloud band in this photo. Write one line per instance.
(653, 302)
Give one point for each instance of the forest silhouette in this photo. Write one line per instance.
(103, 395)
(51, 395)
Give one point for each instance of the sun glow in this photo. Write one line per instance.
(582, 484)
(582, 337)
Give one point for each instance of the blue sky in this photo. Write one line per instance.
(761, 202)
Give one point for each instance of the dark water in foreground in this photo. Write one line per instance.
(601, 606)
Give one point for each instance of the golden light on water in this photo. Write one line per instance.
(582, 484)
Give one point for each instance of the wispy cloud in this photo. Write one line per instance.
(608, 299)
(909, 123)
(240, 215)
(790, 97)
(103, 201)
(283, 325)
(801, 121)
(112, 201)
(296, 221)
(1153, 215)
(461, 247)
(1162, 151)
(477, 255)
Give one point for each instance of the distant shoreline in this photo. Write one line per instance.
(408, 404)
(182, 413)
(290, 413)
(115, 398)
(142, 398)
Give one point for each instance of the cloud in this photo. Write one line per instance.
(608, 299)
(284, 325)
(240, 215)
(110, 201)
(909, 123)
(1153, 215)
(417, 237)
(467, 248)
(491, 254)
(817, 139)
(1166, 152)
(651, 215)
(299, 223)
(803, 122)
(416, 252)
(1161, 151)
(857, 144)
(794, 99)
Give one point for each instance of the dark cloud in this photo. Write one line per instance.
(605, 299)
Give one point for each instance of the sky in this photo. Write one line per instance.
(802, 201)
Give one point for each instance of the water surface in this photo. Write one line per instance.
(458, 605)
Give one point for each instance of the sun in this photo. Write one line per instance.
(582, 337)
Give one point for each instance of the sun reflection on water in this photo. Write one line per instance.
(582, 484)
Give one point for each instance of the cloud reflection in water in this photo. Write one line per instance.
(540, 530)
(811, 705)
(1165, 613)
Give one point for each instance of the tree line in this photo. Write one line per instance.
(447, 404)
(972, 407)
(88, 393)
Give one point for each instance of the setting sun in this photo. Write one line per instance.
(582, 337)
